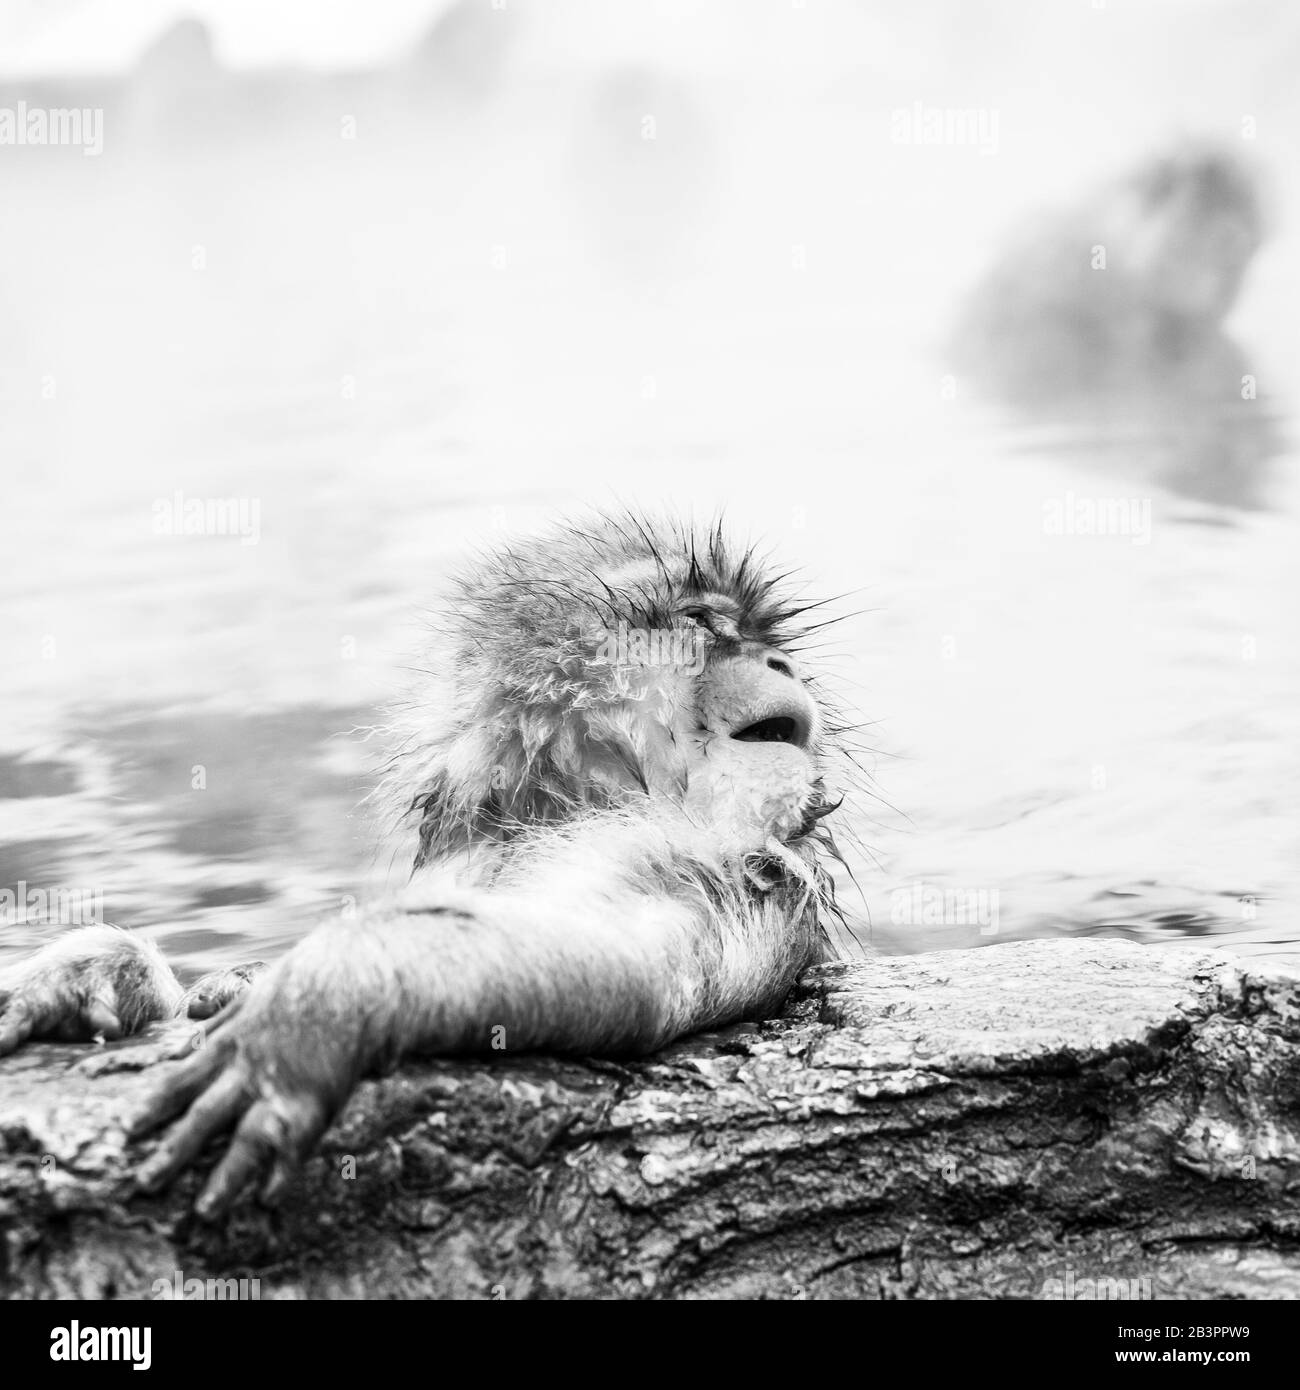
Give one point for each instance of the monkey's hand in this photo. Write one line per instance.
(93, 984)
(206, 997)
(275, 1068)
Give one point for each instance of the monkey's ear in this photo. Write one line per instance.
(420, 807)
(483, 783)
(455, 813)
(436, 819)
(528, 768)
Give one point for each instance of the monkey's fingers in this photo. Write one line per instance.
(274, 1129)
(208, 997)
(96, 1019)
(214, 1112)
(175, 1092)
(62, 1014)
(202, 1029)
(16, 1025)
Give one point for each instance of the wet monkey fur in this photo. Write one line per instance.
(617, 772)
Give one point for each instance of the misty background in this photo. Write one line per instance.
(413, 277)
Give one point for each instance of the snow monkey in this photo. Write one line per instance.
(1125, 290)
(616, 772)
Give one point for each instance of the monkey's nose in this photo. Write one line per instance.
(752, 700)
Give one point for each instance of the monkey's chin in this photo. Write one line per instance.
(751, 793)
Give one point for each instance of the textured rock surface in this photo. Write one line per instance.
(1024, 1120)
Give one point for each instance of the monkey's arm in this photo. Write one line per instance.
(103, 982)
(617, 947)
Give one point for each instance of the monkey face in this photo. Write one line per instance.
(1188, 226)
(622, 666)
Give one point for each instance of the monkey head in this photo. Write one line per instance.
(626, 664)
(1186, 227)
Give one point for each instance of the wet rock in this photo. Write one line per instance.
(1039, 1119)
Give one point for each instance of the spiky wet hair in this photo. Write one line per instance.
(533, 726)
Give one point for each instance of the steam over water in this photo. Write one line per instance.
(395, 294)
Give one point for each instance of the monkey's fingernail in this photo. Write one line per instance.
(274, 1189)
(149, 1178)
(207, 1208)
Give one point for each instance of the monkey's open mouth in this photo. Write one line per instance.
(767, 710)
(780, 729)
